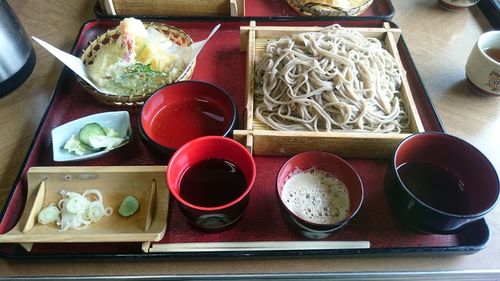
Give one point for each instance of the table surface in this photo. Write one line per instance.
(439, 42)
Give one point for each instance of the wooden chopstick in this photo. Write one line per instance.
(259, 246)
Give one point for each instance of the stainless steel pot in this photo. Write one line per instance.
(17, 57)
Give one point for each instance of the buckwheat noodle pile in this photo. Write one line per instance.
(327, 80)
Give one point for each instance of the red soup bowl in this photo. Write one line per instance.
(183, 111)
(438, 183)
(318, 193)
(211, 178)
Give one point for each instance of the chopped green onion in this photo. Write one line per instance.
(48, 214)
(95, 211)
(76, 204)
(76, 210)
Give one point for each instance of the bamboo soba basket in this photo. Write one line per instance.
(262, 140)
(307, 8)
(89, 54)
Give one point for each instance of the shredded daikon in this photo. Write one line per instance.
(76, 210)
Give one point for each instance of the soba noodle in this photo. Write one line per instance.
(327, 80)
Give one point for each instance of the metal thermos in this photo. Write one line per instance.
(17, 56)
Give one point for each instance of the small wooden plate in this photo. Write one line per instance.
(146, 183)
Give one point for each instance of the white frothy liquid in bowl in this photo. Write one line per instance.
(316, 196)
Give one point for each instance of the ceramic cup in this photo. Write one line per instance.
(211, 177)
(483, 65)
(457, 5)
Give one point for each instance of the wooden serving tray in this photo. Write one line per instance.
(263, 140)
(146, 183)
(374, 230)
(203, 8)
(224, 9)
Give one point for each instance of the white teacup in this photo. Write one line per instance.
(483, 65)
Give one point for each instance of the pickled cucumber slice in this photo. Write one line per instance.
(129, 206)
(90, 130)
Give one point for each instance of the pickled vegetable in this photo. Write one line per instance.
(129, 206)
(90, 130)
(91, 138)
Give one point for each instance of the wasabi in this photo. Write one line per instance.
(129, 206)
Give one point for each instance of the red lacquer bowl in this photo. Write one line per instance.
(184, 111)
(213, 218)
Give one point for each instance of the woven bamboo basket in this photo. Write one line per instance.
(88, 56)
(306, 8)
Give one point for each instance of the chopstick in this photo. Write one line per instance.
(259, 246)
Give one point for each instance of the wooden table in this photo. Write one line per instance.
(439, 42)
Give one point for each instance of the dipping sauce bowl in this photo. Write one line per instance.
(211, 178)
(438, 183)
(186, 110)
(318, 193)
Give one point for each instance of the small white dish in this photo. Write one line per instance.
(117, 120)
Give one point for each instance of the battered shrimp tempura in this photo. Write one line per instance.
(130, 28)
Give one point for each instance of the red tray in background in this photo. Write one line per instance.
(258, 9)
(222, 63)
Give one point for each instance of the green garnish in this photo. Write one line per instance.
(141, 78)
(90, 130)
(129, 206)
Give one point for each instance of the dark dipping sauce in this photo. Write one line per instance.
(436, 187)
(186, 120)
(212, 182)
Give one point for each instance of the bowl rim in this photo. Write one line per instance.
(248, 188)
(393, 170)
(229, 129)
(325, 227)
(481, 48)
